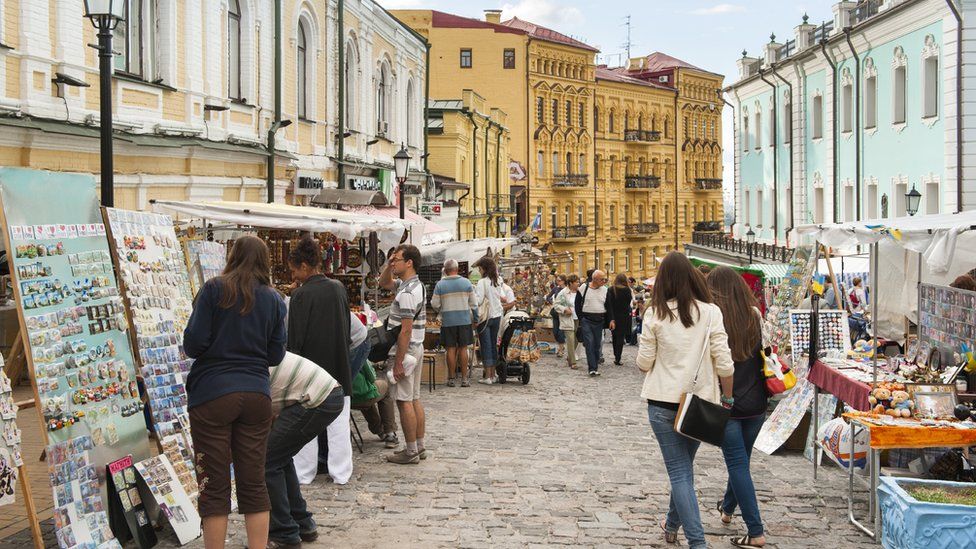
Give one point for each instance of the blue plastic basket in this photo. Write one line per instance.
(911, 524)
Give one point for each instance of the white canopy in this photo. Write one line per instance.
(464, 250)
(345, 225)
(933, 236)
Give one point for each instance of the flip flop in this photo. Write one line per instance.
(726, 519)
(745, 541)
(669, 536)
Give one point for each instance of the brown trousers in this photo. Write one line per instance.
(232, 428)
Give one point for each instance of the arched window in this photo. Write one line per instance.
(384, 89)
(302, 70)
(234, 49)
(569, 163)
(610, 122)
(135, 39)
(596, 118)
(352, 84)
(411, 110)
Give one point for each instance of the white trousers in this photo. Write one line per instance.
(340, 452)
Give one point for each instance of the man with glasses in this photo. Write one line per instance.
(408, 311)
(591, 308)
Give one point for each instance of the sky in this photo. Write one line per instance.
(708, 34)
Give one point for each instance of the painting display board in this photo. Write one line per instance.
(947, 317)
(173, 501)
(126, 502)
(72, 316)
(10, 458)
(206, 260)
(80, 519)
(156, 287)
(179, 449)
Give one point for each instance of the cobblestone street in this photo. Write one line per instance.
(566, 460)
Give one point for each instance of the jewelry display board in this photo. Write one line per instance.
(947, 317)
(156, 287)
(834, 332)
(789, 295)
(72, 315)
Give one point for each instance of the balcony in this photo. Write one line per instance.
(632, 230)
(708, 226)
(571, 232)
(641, 136)
(500, 203)
(706, 184)
(570, 180)
(725, 242)
(866, 9)
(641, 182)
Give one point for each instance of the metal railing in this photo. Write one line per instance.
(866, 9)
(641, 182)
(788, 49)
(570, 180)
(725, 242)
(708, 226)
(642, 135)
(572, 231)
(823, 32)
(708, 184)
(500, 203)
(641, 229)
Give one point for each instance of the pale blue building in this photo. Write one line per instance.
(840, 121)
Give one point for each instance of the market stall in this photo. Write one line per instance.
(756, 278)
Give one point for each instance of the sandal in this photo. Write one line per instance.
(669, 536)
(726, 519)
(745, 541)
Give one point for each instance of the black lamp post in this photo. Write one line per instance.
(912, 200)
(750, 242)
(105, 16)
(401, 165)
(502, 227)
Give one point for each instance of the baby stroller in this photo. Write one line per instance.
(518, 349)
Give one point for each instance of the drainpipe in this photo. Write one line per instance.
(474, 160)
(959, 141)
(340, 136)
(857, 122)
(735, 151)
(775, 159)
(460, 209)
(487, 194)
(789, 86)
(677, 116)
(277, 103)
(528, 140)
(833, 124)
(426, 155)
(498, 167)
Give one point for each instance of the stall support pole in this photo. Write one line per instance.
(874, 310)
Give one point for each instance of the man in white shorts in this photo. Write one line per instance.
(409, 312)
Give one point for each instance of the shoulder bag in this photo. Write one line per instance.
(383, 338)
(484, 307)
(698, 418)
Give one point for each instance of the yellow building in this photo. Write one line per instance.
(193, 95)
(468, 143)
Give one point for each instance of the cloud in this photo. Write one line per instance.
(402, 4)
(544, 12)
(719, 9)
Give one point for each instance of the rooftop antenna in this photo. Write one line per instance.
(627, 45)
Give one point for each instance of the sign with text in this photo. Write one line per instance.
(431, 208)
(127, 516)
(360, 183)
(309, 186)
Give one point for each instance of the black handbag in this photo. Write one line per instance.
(698, 418)
(381, 340)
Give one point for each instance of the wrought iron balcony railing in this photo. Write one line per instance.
(570, 180)
(866, 9)
(708, 184)
(708, 226)
(572, 231)
(645, 136)
(725, 242)
(500, 203)
(641, 229)
(641, 182)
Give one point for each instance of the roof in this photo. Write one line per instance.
(617, 75)
(446, 104)
(439, 19)
(549, 35)
(658, 61)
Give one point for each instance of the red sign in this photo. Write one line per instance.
(120, 465)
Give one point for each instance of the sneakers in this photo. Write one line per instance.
(465, 383)
(421, 453)
(593, 373)
(391, 440)
(404, 458)
(596, 373)
(450, 382)
(310, 536)
(272, 544)
(487, 381)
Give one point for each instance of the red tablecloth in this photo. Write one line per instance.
(852, 392)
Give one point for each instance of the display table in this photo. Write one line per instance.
(854, 393)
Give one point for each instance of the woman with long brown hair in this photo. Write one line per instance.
(743, 323)
(619, 301)
(488, 293)
(236, 332)
(683, 348)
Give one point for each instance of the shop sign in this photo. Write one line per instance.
(431, 208)
(516, 172)
(359, 183)
(309, 186)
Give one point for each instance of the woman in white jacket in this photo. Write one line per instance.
(565, 306)
(682, 332)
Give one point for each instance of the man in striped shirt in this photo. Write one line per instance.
(455, 300)
(305, 400)
(408, 311)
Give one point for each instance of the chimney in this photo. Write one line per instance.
(747, 65)
(804, 34)
(843, 16)
(493, 16)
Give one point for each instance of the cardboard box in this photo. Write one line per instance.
(440, 369)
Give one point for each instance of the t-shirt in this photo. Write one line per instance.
(299, 381)
(357, 331)
(410, 303)
(595, 300)
(508, 294)
(486, 290)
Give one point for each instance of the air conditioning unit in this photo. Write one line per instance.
(663, 79)
(382, 128)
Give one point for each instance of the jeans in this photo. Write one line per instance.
(679, 459)
(620, 335)
(295, 426)
(357, 358)
(557, 333)
(740, 435)
(592, 342)
(569, 336)
(488, 336)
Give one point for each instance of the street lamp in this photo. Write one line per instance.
(912, 199)
(503, 226)
(401, 165)
(750, 241)
(105, 16)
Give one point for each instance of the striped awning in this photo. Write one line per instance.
(774, 273)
